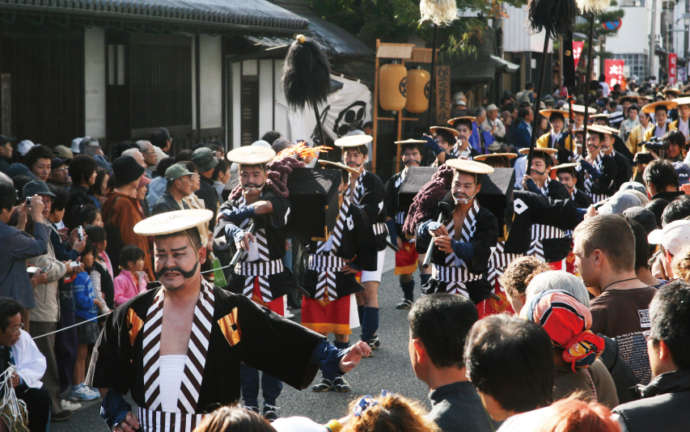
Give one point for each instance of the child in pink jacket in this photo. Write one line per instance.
(132, 280)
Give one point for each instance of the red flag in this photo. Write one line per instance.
(613, 71)
(577, 51)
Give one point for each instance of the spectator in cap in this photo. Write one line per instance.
(619, 202)
(158, 183)
(493, 123)
(576, 348)
(673, 238)
(665, 401)
(82, 170)
(24, 146)
(63, 152)
(76, 144)
(179, 185)
(150, 157)
(18, 246)
(205, 160)
(39, 159)
(59, 173)
(6, 150)
(91, 147)
(122, 211)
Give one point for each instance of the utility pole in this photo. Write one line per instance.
(652, 34)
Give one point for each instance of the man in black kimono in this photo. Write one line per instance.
(177, 348)
(463, 238)
(406, 256)
(367, 192)
(567, 175)
(329, 277)
(260, 275)
(600, 169)
(537, 178)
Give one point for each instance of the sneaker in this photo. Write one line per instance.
(82, 392)
(324, 386)
(340, 385)
(252, 408)
(374, 342)
(404, 305)
(61, 416)
(66, 405)
(271, 412)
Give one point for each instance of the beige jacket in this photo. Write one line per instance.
(47, 295)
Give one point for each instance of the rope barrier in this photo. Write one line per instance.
(60, 330)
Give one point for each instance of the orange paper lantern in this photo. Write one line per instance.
(392, 86)
(417, 90)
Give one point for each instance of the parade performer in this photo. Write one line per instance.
(579, 116)
(558, 137)
(683, 122)
(537, 178)
(463, 234)
(177, 347)
(367, 192)
(261, 275)
(497, 160)
(568, 177)
(600, 170)
(609, 148)
(445, 144)
(661, 126)
(636, 136)
(406, 256)
(541, 227)
(329, 277)
(464, 148)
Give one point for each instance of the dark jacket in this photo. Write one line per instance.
(521, 136)
(167, 203)
(456, 408)
(207, 193)
(664, 406)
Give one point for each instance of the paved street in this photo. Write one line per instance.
(389, 369)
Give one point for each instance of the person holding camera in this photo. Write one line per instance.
(18, 246)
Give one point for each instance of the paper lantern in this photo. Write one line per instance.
(392, 86)
(417, 90)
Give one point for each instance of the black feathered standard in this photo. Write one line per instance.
(306, 74)
(554, 16)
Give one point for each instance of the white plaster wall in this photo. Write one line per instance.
(211, 80)
(94, 82)
(265, 96)
(518, 36)
(236, 107)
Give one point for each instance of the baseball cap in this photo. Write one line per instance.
(643, 216)
(683, 171)
(63, 152)
(619, 202)
(204, 158)
(176, 171)
(492, 107)
(673, 237)
(24, 146)
(36, 187)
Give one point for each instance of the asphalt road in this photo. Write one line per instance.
(388, 369)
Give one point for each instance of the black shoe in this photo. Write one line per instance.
(61, 416)
(324, 386)
(340, 385)
(404, 305)
(252, 408)
(271, 412)
(374, 342)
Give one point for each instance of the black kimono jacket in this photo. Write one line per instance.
(543, 220)
(356, 243)
(483, 239)
(369, 194)
(233, 329)
(392, 202)
(272, 227)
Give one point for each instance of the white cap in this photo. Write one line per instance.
(24, 146)
(673, 237)
(75, 145)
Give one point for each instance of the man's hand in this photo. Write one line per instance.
(246, 240)
(440, 231)
(22, 217)
(15, 380)
(354, 354)
(444, 244)
(251, 194)
(39, 278)
(37, 207)
(129, 424)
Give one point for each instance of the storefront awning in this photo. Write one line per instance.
(220, 15)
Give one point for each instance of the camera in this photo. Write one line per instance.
(656, 144)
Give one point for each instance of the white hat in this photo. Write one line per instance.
(172, 222)
(469, 166)
(24, 146)
(76, 145)
(673, 237)
(251, 155)
(262, 143)
(350, 141)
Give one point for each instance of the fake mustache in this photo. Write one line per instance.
(185, 274)
(252, 185)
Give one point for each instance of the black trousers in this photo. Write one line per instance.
(38, 405)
